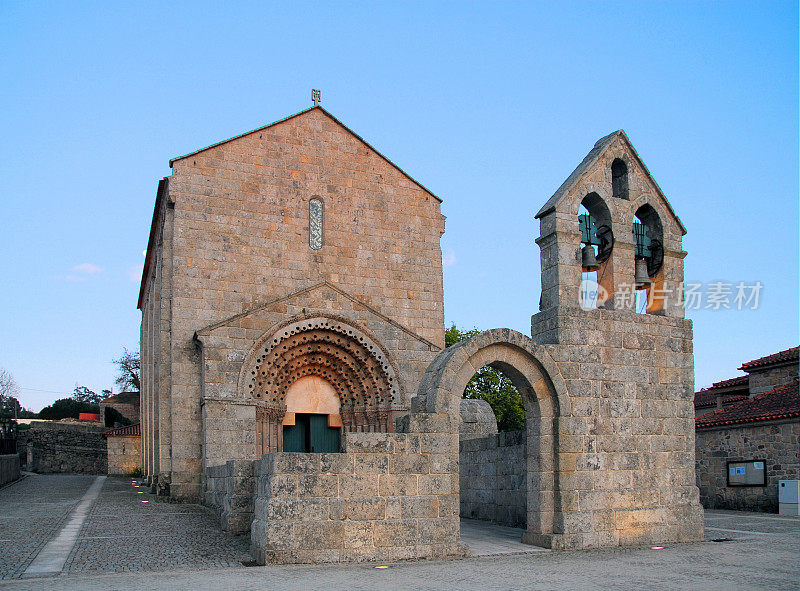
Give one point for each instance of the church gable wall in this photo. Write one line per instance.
(241, 237)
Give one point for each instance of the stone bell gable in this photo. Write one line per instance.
(301, 202)
(614, 185)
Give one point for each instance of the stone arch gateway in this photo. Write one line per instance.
(535, 375)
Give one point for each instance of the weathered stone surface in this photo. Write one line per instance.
(71, 448)
(775, 442)
(378, 505)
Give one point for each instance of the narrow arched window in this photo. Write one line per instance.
(619, 179)
(315, 223)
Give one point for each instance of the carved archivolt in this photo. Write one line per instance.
(339, 354)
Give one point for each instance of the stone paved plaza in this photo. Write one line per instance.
(120, 534)
(155, 545)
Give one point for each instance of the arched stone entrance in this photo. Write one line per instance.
(339, 356)
(535, 375)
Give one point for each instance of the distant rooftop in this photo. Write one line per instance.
(781, 403)
(786, 356)
(733, 390)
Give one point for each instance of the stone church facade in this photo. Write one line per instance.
(294, 375)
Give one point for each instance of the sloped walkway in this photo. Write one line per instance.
(489, 539)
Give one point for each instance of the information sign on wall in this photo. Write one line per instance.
(747, 473)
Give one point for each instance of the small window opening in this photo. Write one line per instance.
(619, 179)
(315, 223)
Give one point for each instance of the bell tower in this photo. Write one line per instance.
(612, 316)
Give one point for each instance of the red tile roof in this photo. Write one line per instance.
(737, 381)
(737, 390)
(786, 356)
(122, 431)
(781, 403)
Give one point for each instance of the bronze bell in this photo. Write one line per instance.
(588, 260)
(641, 278)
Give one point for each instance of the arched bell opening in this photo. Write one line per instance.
(648, 238)
(597, 245)
(315, 379)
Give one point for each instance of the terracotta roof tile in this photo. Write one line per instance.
(781, 403)
(122, 431)
(738, 390)
(792, 354)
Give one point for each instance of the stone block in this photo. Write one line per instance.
(392, 485)
(336, 463)
(357, 534)
(369, 442)
(399, 532)
(294, 509)
(319, 535)
(358, 485)
(366, 509)
(371, 463)
(317, 485)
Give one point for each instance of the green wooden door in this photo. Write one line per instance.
(295, 437)
(310, 433)
(323, 439)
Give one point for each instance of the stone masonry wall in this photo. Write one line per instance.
(65, 448)
(390, 496)
(626, 453)
(492, 473)
(776, 443)
(229, 491)
(769, 379)
(124, 454)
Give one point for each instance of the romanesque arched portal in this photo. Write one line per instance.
(336, 353)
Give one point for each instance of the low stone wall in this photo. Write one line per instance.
(775, 443)
(64, 448)
(229, 491)
(9, 468)
(125, 454)
(390, 496)
(493, 478)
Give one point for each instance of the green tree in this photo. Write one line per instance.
(493, 386)
(84, 394)
(128, 371)
(67, 408)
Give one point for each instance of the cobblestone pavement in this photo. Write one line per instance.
(124, 534)
(762, 553)
(32, 511)
(120, 534)
(180, 546)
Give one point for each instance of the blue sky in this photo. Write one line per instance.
(488, 104)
